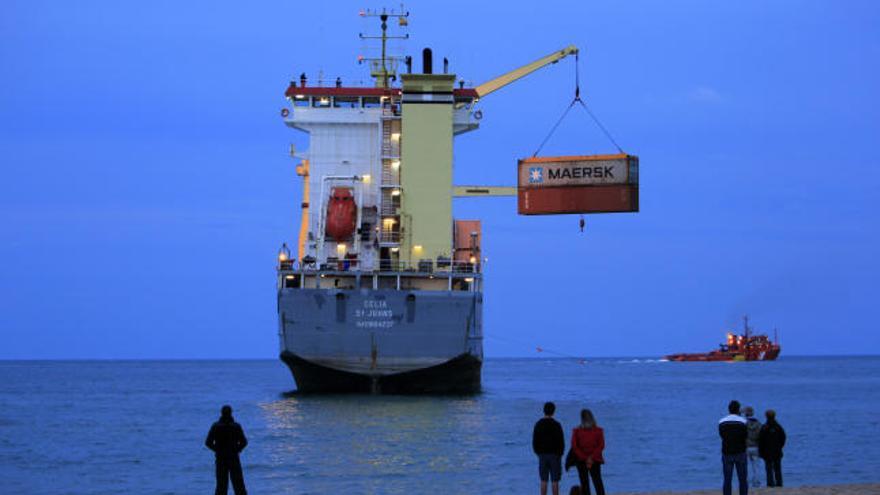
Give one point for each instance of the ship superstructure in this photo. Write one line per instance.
(385, 292)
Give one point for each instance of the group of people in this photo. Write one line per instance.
(587, 444)
(743, 440)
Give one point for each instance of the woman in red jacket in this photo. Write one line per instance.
(587, 443)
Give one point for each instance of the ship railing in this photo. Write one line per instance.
(389, 236)
(423, 267)
(431, 275)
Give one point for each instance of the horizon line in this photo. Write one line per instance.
(560, 358)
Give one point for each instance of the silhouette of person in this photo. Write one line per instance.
(226, 438)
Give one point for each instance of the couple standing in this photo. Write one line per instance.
(587, 444)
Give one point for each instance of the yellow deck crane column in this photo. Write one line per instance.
(303, 171)
(426, 170)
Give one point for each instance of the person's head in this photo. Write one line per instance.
(733, 407)
(226, 411)
(748, 411)
(770, 414)
(549, 408)
(587, 418)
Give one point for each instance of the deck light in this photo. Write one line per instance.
(340, 249)
(366, 178)
(395, 192)
(395, 164)
(395, 136)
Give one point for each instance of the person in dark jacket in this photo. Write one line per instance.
(548, 443)
(734, 435)
(226, 438)
(587, 445)
(770, 444)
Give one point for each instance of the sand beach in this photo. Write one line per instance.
(857, 489)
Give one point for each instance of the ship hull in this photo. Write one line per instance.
(460, 375)
(381, 341)
(722, 357)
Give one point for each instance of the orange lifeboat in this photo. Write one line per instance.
(341, 214)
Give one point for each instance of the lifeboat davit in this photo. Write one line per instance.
(341, 214)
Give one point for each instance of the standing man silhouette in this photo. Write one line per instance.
(548, 443)
(227, 440)
(734, 436)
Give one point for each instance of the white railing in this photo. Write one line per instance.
(423, 267)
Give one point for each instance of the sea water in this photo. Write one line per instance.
(104, 427)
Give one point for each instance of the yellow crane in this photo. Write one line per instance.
(494, 85)
(516, 74)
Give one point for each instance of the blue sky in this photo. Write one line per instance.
(146, 187)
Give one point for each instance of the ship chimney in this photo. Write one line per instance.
(408, 64)
(445, 65)
(427, 62)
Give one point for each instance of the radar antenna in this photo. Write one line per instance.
(384, 68)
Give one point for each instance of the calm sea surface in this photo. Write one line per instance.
(138, 426)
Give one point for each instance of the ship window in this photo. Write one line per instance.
(345, 102)
(371, 102)
(323, 101)
(301, 102)
(291, 282)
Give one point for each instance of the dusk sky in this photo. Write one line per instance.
(146, 184)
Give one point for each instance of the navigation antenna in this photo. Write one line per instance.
(384, 68)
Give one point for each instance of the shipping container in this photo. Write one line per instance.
(578, 199)
(467, 244)
(588, 170)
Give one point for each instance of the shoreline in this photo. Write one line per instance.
(836, 489)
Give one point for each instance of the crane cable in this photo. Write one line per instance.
(577, 99)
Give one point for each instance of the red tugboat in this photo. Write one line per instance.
(745, 347)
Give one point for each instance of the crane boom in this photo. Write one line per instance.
(516, 74)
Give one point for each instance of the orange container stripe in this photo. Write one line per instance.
(552, 159)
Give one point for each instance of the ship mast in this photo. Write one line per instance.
(384, 68)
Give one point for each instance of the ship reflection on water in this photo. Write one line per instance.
(365, 439)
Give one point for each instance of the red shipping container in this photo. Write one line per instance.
(578, 199)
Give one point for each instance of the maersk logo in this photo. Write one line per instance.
(597, 172)
(536, 175)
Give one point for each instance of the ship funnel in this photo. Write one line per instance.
(408, 64)
(445, 65)
(427, 62)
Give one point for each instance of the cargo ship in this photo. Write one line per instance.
(385, 291)
(747, 346)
